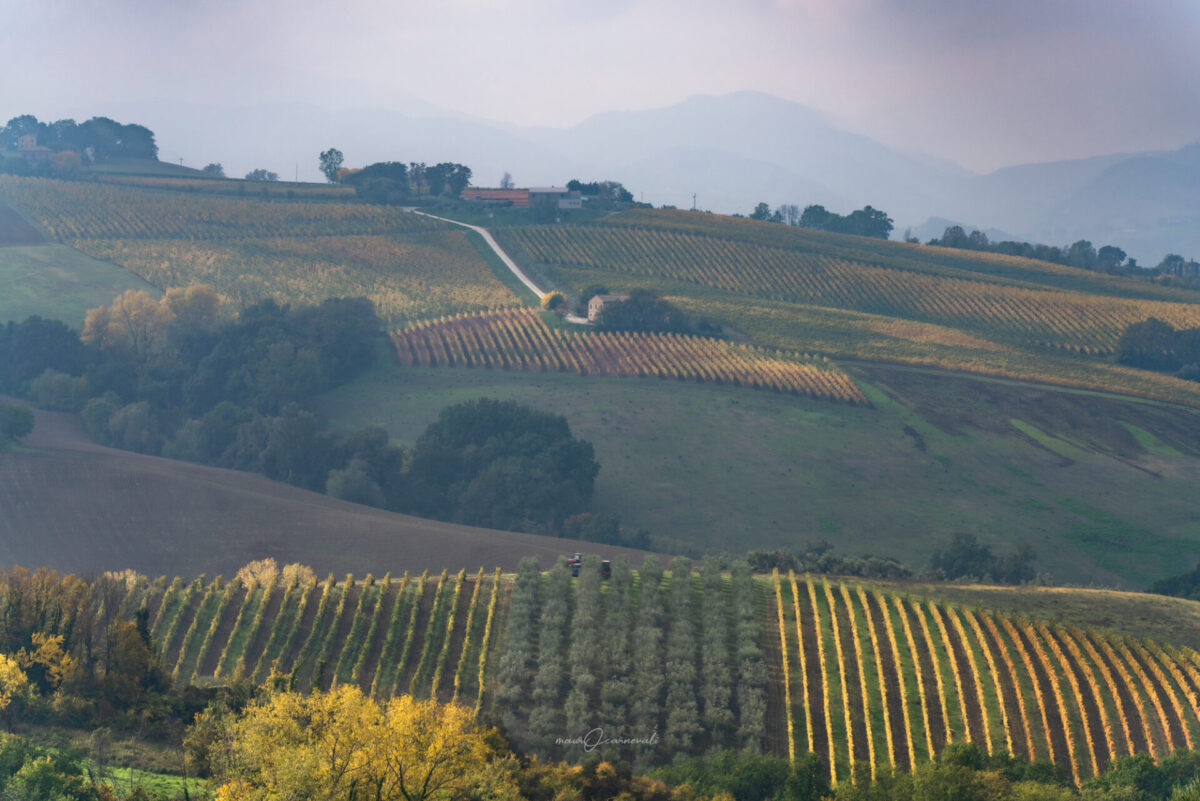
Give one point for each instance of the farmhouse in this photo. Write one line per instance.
(28, 147)
(598, 302)
(516, 197)
(557, 196)
(560, 196)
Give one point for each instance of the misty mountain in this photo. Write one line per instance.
(731, 152)
(809, 159)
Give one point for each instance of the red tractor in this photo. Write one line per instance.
(575, 561)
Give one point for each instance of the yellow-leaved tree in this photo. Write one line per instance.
(14, 687)
(342, 744)
(138, 323)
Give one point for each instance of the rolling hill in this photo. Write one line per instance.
(861, 676)
(994, 405)
(72, 505)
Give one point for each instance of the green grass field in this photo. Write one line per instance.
(719, 468)
(59, 283)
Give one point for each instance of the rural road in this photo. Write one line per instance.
(508, 262)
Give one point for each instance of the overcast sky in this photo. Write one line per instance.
(986, 83)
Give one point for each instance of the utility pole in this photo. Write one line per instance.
(693, 201)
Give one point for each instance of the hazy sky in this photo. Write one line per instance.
(983, 82)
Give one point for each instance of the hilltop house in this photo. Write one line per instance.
(560, 197)
(28, 147)
(516, 197)
(598, 302)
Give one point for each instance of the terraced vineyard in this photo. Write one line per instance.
(886, 680)
(518, 339)
(998, 307)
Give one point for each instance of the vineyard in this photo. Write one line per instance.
(250, 249)
(882, 680)
(667, 662)
(428, 636)
(406, 276)
(71, 212)
(221, 186)
(517, 339)
(1039, 317)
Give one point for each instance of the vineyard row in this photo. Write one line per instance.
(517, 339)
(875, 680)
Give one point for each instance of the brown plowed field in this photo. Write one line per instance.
(75, 506)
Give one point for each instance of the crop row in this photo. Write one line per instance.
(416, 636)
(1041, 317)
(518, 339)
(874, 679)
(72, 211)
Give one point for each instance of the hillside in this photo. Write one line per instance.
(861, 676)
(983, 395)
(71, 505)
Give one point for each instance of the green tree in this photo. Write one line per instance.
(214, 169)
(330, 161)
(262, 175)
(16, 422)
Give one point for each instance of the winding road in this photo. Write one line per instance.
(508, 262)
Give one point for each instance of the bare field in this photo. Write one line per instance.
(72, 505)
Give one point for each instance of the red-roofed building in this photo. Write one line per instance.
(517, 197)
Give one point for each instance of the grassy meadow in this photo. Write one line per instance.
(719, 467)
(59, 283)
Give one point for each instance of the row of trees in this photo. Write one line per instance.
(866, 221)
(1081, 254)
(649, 679)
(395, 181)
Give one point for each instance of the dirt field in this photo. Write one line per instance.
(72, 505)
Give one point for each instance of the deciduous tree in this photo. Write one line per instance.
(331, 162)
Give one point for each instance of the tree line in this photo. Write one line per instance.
(395, 181)
(1156, 345)
(172, 377)
(866, 221)
(92, 141)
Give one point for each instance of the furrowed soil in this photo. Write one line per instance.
(69, 504)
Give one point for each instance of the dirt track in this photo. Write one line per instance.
(70, 504)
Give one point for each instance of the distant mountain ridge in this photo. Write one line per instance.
(729, 152)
